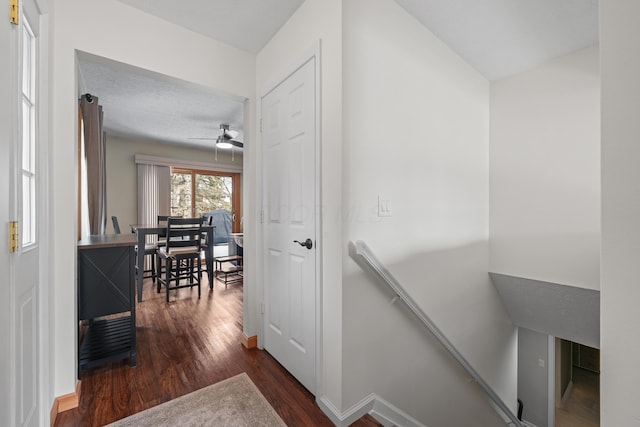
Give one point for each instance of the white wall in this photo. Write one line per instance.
(533, 379)
(416, 128)
(545, 172)
(122, 172)
(620, 293)
(111, 29)
(316, 20)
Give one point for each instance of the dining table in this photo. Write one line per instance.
(144, 230)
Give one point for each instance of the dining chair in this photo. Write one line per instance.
(149, 249)
(181, 255)
(116, 226)
(162, 238)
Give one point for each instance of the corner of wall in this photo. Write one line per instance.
(343, 419)
(384, 412)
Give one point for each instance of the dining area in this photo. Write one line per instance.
(158, 236)
(172, 239)
(173, 252)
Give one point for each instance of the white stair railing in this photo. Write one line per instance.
(363, 251)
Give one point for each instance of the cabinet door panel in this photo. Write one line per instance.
(104, 281)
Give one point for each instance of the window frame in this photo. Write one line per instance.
(28, 136)
(236, 192)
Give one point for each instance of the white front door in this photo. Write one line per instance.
(289, 165)
(20, 190)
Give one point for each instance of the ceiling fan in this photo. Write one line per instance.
(225, 139)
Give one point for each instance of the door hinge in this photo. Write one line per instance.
(14, 13)
(261, 308)
(262, 216)
(13, 236)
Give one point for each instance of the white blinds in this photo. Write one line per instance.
(154, 192)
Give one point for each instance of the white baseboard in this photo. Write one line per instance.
(344, 419)
(384, 412)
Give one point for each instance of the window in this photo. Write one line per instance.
(195, 192)
(28, 135)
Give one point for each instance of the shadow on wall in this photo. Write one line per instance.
(387, 351)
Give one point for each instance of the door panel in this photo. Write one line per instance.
(289, 141)
(24, 205)
(26, 381)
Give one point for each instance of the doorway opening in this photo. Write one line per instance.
(577, 385)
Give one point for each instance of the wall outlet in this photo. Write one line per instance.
(385, 207)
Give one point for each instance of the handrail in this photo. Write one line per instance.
(363, 251)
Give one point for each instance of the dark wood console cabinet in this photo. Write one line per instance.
(106, 300)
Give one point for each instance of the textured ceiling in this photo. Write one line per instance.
(140, 104)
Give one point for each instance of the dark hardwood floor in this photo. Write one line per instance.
(183, 346)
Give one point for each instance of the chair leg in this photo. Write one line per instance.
(199, 275)
(167, 268)
(178, 267)
(158, 283)
(153, 268)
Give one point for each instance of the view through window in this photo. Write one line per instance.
(196, 192)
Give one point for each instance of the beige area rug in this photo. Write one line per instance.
(235, 401)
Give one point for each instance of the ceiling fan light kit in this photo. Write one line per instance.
(223, 143)
(225, 139)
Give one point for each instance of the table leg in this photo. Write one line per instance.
(142, 237)
(133, 353)
(208, 255)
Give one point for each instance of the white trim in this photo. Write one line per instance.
(384, 412)
(551, 380)
(165, 161)
(389, 415)
(351, 415)
(311, 54)
(44, 225)
(316, 51)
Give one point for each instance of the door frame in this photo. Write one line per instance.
(311, 54)
(44, 224)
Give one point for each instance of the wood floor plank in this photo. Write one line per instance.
(183, 346)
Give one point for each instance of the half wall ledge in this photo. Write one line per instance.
(568, 312)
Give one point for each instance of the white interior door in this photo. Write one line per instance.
(20, 169)
(289, 165)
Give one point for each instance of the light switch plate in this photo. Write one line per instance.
(385, 207)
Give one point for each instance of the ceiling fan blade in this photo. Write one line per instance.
(229, 134)
(237, 143)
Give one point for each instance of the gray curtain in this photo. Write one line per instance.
(95, 157)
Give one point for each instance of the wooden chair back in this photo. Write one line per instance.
(183, 234)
